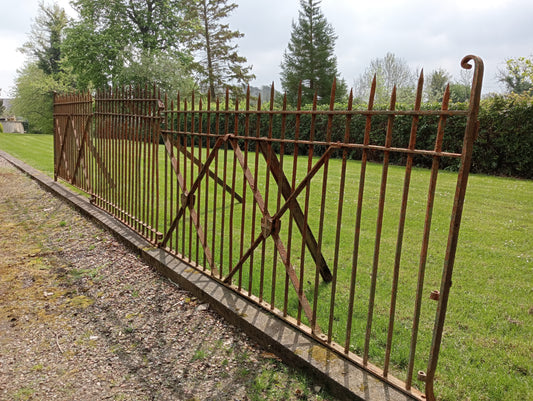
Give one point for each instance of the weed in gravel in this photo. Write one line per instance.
(24, 393)
(243, 372)
(199, 354)
(242, 356)
(37, 368)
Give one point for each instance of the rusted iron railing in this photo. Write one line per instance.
(269, 202)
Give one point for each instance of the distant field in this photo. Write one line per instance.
(487, 351)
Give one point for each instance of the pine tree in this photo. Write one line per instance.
(310, 57)
(219, 64)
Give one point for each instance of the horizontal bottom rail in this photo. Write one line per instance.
(128, 219)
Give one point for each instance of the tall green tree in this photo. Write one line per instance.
(218, 63)
(45, 38)
(390, 71)
(518, 74)
(114, 38)
(44, 71)
(310, 58)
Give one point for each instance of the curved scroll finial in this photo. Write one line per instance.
(477, 80)
(466, 59)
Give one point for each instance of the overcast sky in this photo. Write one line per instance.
(426, 34)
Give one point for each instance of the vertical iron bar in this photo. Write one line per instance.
(254, 209)
(207, 151)
(293, 187)
(306, 208)
(401, 224)
(266, 197)
(342, 183)
(215, 189)
(357, 231)
(244, 186)
(225, 177)
(425, 239)
(171, 117)
(179, 146)
(191, 157)
(199, 191)
(379, 224)
(322, 209)
(145, 164)
(167, 185)
(185, 170)
(232, 200)
(278, 201)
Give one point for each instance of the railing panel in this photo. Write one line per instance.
(314, 213)
(126, 157)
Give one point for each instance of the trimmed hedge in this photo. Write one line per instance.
(505, 142)
(504, 146)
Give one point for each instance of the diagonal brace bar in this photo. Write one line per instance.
(81, 148)
(296, 210)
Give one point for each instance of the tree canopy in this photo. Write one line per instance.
(310, 58)
(518, 75)
(114, 39)
(46, 37)
(390, 71)
(44, 71)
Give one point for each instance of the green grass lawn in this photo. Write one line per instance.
(487, 350)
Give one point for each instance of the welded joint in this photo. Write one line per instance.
(269, 226)
(421, 376)
(323, 338)
(159, 239)
(187, 199)
(435, 295)
(227, 137)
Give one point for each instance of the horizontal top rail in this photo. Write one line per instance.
(437, 113)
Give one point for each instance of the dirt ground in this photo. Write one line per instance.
(82, 318)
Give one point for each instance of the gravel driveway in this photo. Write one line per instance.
(82, 318)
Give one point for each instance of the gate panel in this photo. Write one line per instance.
(72, 125)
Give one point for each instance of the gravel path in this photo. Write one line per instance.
(82, 318)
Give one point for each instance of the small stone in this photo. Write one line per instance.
(202, 307)
(317, 389)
